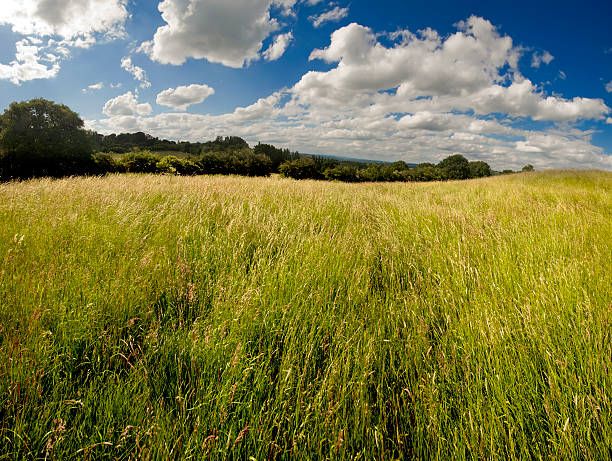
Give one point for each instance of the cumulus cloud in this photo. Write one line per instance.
(184, 96)
(29, 64)
(63, 24)
(334, 15)
(67, 18)
(137, 72)
(278, 48)
(538, 58)
(609, 87)
(220, 31)
(415, 96)
(126, 105)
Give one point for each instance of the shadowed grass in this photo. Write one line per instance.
(169, 317)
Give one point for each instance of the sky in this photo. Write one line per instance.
(510, 83)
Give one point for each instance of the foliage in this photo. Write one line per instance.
(479, 169)
(140, 162)
(344, 173)
(105, 163)
(527, 168)
(243, 162)
(302, 168)
(455, 167)
(233, 318)
(277, 156)
(173, 165)
(427, 172)
(41, 138)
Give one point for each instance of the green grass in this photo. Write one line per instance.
(167, 317)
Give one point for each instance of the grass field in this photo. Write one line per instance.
(167, 317)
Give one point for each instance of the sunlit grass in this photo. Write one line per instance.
(169, 317)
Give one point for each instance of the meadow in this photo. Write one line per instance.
(168, 317)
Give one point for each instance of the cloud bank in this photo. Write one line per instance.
(410, 95)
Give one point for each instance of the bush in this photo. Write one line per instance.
(344, 173)
(140, 162)
(173, 165)
(302, 168)
(105, 163)
(243, 162)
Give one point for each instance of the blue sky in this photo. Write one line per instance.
(510, 83)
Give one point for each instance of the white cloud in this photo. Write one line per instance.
(609, 87)
(137, 72)
(420, 97)
(28, 64)
(71, 23)
(115, 85)
(226, 32)
(538, 58)
(184, 96)
(69, 19)
(278, 48)
(126, 105)
(333, 15)
(94, 87)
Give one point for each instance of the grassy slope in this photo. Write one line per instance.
(172, 317)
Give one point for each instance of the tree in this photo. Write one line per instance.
(455, 167)
(302, 168)
(479, 169)
(527, 168)
(41, 138)
(346, 173)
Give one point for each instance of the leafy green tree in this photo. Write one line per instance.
(479, 169)
(346, 173)
(455, 167)
(527, 168)
(41, 138)
(276, 155)
(302, 168)
(427, 172)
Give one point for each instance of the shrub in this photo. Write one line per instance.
(140, 162)
(104, 163)
(302, 168)
(344, 173)
(173, 165)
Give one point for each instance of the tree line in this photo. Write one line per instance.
(41, 138)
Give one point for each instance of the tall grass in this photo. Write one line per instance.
(166, 317)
